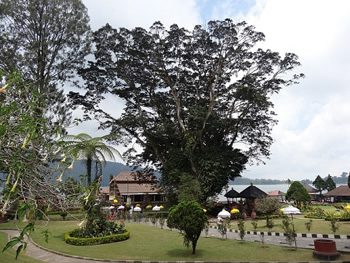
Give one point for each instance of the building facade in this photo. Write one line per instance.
(128, 189)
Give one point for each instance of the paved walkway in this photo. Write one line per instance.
(303, 241)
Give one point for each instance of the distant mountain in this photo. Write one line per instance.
(111, 168)
(247, 181)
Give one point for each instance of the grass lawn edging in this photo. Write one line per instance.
(79, 241)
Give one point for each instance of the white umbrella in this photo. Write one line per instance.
(121, 207)
(291, 210)
(156, 208)
(137, 209)
(224, 213)
(111, 207)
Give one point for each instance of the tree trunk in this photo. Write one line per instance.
(88, 168)
(194, 245)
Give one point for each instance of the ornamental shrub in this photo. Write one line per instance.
(73, 238)
(190, 219)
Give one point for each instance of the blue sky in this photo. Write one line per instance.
(313, 134)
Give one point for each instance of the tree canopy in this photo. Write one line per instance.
(197, 102)
(320, 184)
(298, 194)
(89, 149)
(46, 41)
(190, 219)
(330, 184)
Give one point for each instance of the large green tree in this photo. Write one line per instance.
(89, 149)
(46, 41)
(197, 102)
(298, 193)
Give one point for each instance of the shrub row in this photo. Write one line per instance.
(271, 216)
(78, 241)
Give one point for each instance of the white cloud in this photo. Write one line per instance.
(140, 13)
(313, 131)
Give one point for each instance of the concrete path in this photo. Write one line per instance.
(303, 241)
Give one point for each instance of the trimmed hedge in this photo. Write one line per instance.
(79, 241)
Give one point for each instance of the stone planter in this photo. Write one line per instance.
(325, 249)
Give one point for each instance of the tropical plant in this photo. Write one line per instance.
(254, 223)
(190, 219)
(308, 225)
(224, 226)
(99, 225)
(333, 217)
(89, 149)
(26, 147)
(241, 228)
(289, 231)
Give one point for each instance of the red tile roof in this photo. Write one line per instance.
(276, 193)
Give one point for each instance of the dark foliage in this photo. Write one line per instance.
(198, 103)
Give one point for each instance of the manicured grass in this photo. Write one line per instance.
(10, 254)
(319, 226)
(153, 244)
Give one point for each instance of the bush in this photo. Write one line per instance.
(270, 216)
(73, 238)
(317, 213)
(190, 219)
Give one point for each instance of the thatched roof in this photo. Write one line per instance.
(252, 192)
(342, 190)
(310, 189)
(232, 193)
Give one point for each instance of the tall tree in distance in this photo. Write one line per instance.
(319, 184)
(197, 102)
(298, 193)
(46, 41)
(330, 183)
(87, 148)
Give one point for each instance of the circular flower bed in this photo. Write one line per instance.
(71, 238)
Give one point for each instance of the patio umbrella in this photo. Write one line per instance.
(121, 207)
(156, 208)
(224, 214)
(137, 209)
(291, 210)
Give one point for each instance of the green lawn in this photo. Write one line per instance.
(153, 244)
(10, 254)
(319, 226)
